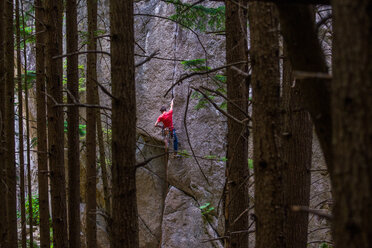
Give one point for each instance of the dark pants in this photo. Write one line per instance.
(175, 141)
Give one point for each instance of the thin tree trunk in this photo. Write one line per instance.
(73, 126)
(3, 214)
(53, 19)
(30, 207)
(11, 182)
(297, 137)
(41, 128)
(20, 131)
(91, 229)
(124, 204)
(352, 124)
(237, 170)
(102, 161)
(269, 209)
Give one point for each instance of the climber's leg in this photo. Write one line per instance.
(175, 141)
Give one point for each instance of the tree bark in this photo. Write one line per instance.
(103, 165)
(237, 170)
(269, 209)
(352, 124)
(305, 54)
(73, 126)
(11, 183)
(3, 212)
(41, 127)
(296, 139)
(124, 205)
(53, 20)
(30, 207)
(20, 131)
(91, 228)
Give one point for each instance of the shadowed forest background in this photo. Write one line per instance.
(272, 110)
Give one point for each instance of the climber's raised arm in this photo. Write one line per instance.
(171, 107)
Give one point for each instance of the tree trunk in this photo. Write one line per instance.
(11, 181)
(269, 209)
(3, 214)
(237, 170)
(20, 131)
(352, 124)
(297, 136)
(124, 205)
(30, 207)
(91, 229)
(305, 54)
(53, 19)
(41, 128)
(73, 126)
(103, 165)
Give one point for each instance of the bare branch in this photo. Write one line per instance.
(79, 53)
(148, 58)
(317, 212)
(307, 74)
(243, 122)
(181, 24)
(184, 77)
(141, 164)
(188, 138)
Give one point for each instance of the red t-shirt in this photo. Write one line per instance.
(167, 120)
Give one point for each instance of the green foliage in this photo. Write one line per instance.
(184, 153)
(82, 78)
(33, 142)
(198, 16)
(207, 210)
(195, 65)
(325, 245)
(35, 210)
(30, 76)
(82, 129)
(224, 159)
(85, 35)
(250, 163)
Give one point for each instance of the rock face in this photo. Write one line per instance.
(171, 191)
(182, 224)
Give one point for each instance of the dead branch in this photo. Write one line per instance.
(247, 75)
(243, 122)
(184, 77)
(308, 74)
(179, 23)
(227, 99)
(188, 138)
(141, 164)
(148, 58)
(79, 53)
(317, 212)
(57, 105)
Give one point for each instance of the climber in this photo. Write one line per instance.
(167, 119)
